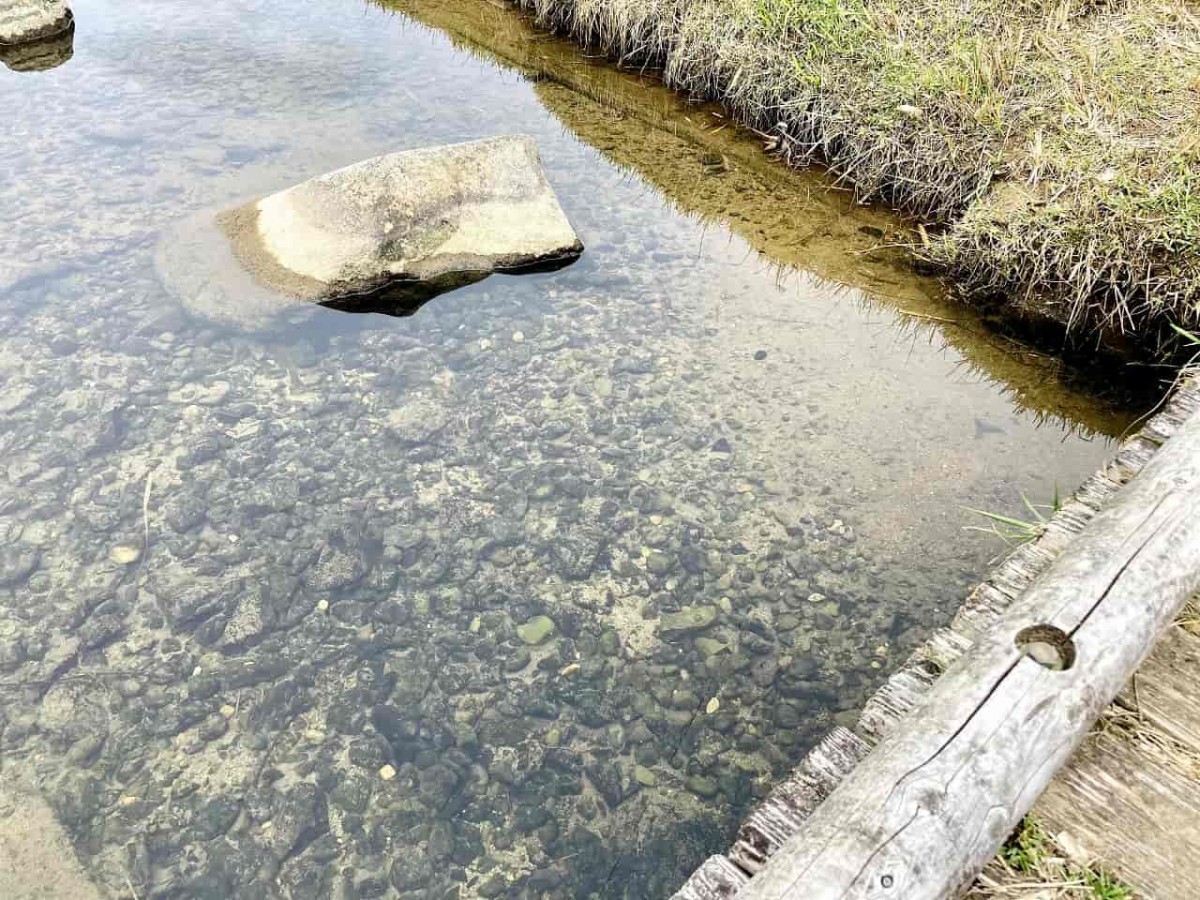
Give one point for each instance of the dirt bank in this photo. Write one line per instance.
(1052, 148)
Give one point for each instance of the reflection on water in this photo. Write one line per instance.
(529, 594)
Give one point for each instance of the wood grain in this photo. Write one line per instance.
(1129, 800)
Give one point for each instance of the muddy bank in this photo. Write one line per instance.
(1057, 178)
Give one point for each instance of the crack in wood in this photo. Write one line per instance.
(883, 846)
(1129, 562)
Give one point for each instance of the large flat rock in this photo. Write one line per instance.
(22, 21)
(41, 54)
(427, 219)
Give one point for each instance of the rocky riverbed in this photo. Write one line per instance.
(441, 606)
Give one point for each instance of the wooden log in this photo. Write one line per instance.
(792, 801)
(716, 879)
(930, 806)
(891, 704)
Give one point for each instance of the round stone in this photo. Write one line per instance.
(537, 630)
(125, 554)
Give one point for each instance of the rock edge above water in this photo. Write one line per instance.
(388, 233)
(24, 21)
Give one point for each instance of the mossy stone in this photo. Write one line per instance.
(644, 776)
(537, 630)
(658, 563)
(693, 618)
(710, 646)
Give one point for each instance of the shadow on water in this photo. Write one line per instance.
(405, 298)
(709, 167)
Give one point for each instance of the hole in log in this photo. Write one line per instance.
(1048, 646)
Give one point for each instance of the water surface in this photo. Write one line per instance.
(528, 595)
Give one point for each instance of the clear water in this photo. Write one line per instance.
(276, 602)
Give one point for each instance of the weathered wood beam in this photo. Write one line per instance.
(792, 801)
(1129, 799)
(930, 806)
(716, 879)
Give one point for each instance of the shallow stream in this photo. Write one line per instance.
(529, 595)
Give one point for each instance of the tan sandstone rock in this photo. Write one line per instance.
(22, 21)
(429, 219)
(383, 235)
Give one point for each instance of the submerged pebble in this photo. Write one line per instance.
(537, 630)
(695, 618)
(124, 554)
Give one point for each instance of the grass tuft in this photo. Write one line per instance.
(1013, 530)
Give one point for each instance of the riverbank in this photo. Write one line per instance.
(1049, 149)
(714, 170)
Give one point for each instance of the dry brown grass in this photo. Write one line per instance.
(1189, 617)
(1057, 142)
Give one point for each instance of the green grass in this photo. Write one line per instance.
(1014, 530)
(1027, 848)
(1190, 338)
(1030, 864)
(1052, 147)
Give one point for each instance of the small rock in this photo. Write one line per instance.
(417, 421)
(693, 618)
(337, 568)
(517, 660)
(701, 786)
(16, 565)
(644, 776)
(388, 772)
(658, 563)
(710, 646)
(124, 554)
(493, 887)
(537, 630)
